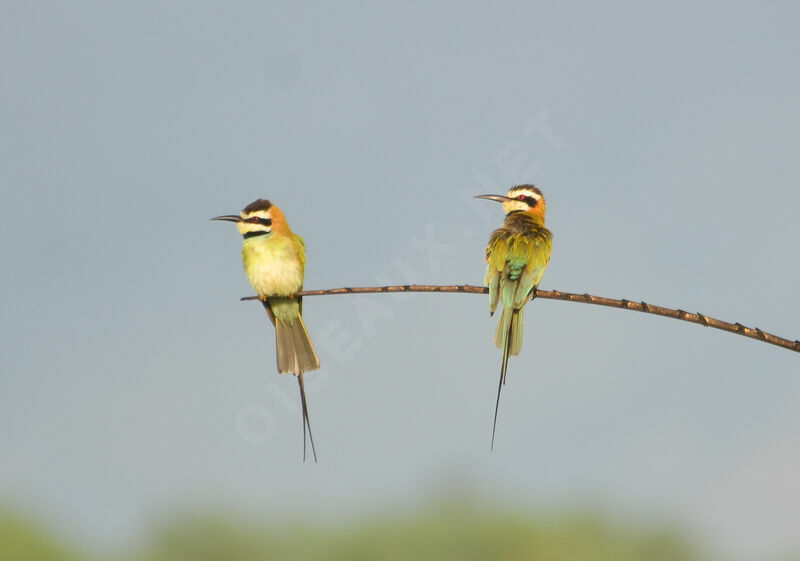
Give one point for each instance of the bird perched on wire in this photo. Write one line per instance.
(274, 260)
(516, 257)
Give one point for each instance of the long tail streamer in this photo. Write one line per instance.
(306, 421)
(503, 369)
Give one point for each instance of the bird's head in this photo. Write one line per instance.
(259, 218)
(522, 198)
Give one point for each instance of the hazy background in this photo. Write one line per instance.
(134, 383)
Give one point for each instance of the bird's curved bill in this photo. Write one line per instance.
(498, 198)
(229, 218)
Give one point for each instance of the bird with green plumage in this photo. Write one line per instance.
(516, 257)
(274, 260)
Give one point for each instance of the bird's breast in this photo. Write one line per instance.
(272, 266)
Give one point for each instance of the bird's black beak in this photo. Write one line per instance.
(497, 198)
(229, 218)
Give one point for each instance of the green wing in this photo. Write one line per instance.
(515, 263)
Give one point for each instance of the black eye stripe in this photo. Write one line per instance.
(259, 220)
(527, 199)
(530, 201)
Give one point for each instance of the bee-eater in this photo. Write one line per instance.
(275, 259)
(516, 257)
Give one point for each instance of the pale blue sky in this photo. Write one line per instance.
(669, 160)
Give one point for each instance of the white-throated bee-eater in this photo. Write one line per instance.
(275, 259)
(516, 257)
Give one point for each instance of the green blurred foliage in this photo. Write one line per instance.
(21, 540)
(439, 534)
(452, 530)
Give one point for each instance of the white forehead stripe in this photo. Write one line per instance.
(260, 213)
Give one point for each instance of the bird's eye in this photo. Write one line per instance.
(521, 197)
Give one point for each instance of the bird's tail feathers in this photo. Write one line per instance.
(501, 333)
(296, 355)
(507, 321)
(515, 332)
(296, 352)
(306, 420)
(509, 329)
